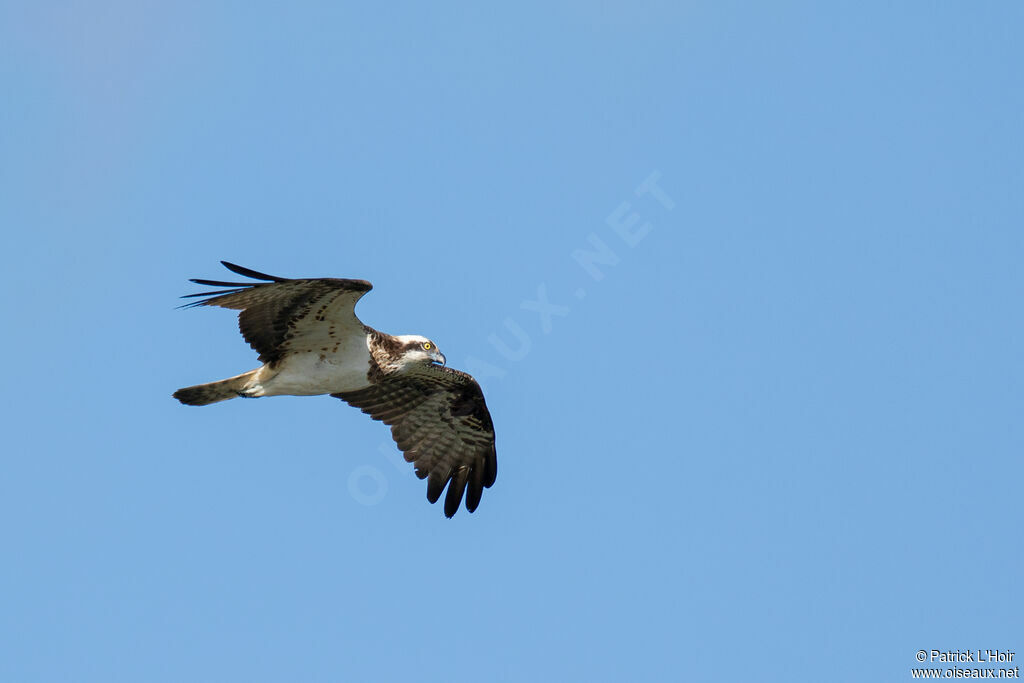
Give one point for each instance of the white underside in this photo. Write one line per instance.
(314, 372)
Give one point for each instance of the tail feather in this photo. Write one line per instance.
(212, 392)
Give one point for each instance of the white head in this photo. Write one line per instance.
(417, 349)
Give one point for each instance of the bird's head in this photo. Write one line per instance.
(417, 349)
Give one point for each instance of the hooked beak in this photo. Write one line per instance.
(441, 359)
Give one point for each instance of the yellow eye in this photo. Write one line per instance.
(427, 346)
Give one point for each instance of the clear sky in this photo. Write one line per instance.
(741, 282)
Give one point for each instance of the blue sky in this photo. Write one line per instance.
(779, 438)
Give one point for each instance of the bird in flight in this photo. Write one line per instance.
(311, 342)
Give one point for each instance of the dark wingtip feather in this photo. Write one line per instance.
(208, 296)
(491, 468)
(249, 272)
(218, 292)
(435, 485)
(456, 489)
(219, 283)
(475, 488)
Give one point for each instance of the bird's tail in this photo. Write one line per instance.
(204, 394)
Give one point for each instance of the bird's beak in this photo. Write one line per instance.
(441, 358)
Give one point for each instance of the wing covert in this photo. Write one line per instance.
(280, 315)
(441, 424)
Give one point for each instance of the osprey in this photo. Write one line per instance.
(311, 342)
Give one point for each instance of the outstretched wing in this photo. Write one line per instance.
(440, 422)
(280, 315)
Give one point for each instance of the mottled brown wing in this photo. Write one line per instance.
(281, 315)
(440, 422)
